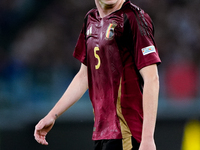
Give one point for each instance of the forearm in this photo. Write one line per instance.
(74, 92)
(150, 101)
(150, 104)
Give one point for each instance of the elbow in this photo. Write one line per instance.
(155, 80)
(152, 82)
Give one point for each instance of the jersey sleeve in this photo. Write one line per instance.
(80, 51)
(145, 50)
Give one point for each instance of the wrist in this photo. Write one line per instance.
(53, 116)
(148, 138)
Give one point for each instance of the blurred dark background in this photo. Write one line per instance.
(37, 39)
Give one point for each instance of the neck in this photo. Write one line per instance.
(105, 9)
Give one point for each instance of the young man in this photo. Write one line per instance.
(119, 66)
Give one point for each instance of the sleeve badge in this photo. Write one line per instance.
(148, 50)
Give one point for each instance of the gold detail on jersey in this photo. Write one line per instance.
(97, 57)
(127, 143)
(126, 133)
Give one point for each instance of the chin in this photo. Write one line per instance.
(109, 2)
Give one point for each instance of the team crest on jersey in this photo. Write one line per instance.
(110, 30)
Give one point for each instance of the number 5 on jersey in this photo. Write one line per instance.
(97, 57)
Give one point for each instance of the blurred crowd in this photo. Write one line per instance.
(37, 39)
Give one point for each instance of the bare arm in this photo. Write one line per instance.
(73, 93)
(150, 104)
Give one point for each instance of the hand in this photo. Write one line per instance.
(147, 145)
(42, 128)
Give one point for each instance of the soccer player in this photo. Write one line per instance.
(119, 67)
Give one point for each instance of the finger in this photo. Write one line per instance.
(37, 134)
(37, 137)
(41, 139)
(38, 127)
(44, 142)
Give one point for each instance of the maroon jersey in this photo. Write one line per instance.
(114, 49)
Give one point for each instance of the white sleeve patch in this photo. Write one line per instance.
(148, 50)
